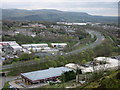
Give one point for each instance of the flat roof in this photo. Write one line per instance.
(42, 44)
(16, 47)
(47, 73)
(58, 43)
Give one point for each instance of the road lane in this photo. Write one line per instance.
(98, 41)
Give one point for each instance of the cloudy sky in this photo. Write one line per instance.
(94, 7)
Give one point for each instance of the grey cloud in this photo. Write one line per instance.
(108, 8)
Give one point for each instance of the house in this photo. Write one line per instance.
(37, 25)
(58, 45)
(43, 76)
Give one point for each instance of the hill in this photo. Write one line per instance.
(53, 15)
(110, 81)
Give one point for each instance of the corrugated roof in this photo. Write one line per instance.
(47, 73)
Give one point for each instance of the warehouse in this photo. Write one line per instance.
(58, 45)
(35, 47)
(11, 46)
(29, 46)
(16, 48)
(50, 50)
(43, 76)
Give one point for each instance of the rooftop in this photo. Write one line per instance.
(58, 43)
(112, 63)
(47, 73)
(116, 57)
(42, 44)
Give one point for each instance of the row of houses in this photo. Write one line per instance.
(26, 32)
(35, 25)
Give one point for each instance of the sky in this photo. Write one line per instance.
(93, 7)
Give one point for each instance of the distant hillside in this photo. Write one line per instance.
(53, 15)
(110, 81)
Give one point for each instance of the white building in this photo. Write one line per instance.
(59, 45)
(35, 47)
(111, 64)
(53, 51)
(46, 48)
(66, 23)
(74, 66)
(26, 51)
(79, 23)
(0, 49)
(11, 45)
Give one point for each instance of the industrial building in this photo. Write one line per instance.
(58, 45)
(66, 23)
(50, 50)
(74, 66)
(110, 64)
(43, 76)
(11, 47)
(35, 47)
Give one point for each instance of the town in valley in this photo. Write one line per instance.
(49, 48)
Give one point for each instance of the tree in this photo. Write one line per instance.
(66, 76)
(25, 57)
(83, 61)
(37, 59)
(78, 71)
